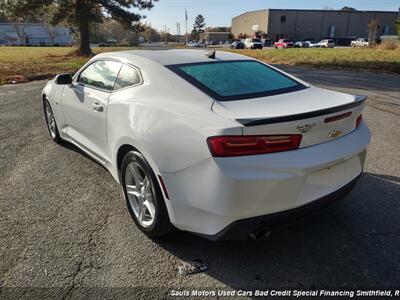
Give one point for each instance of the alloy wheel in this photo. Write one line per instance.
(141, 195)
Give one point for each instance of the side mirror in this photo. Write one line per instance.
(63, 79)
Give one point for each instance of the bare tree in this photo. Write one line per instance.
(115, 30)
(20, 30)
(373, 27)
(242, 36)
(149, 33)
(52, 32)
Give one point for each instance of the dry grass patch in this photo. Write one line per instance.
(389, 45)
(367, 59)
(33, 63)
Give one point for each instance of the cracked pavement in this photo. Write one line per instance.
(64, 225)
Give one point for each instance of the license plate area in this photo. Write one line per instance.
(328, 180)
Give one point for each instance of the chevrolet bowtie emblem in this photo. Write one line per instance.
(334, 133)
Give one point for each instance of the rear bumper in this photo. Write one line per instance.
(210, 196)
(241, 229)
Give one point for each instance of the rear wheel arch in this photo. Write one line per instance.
(122, 150)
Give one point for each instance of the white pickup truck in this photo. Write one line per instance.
(361, 42)
(253, 44)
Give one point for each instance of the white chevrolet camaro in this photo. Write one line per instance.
(218, 144)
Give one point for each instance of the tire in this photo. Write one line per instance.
(151, 218)
(51, 122)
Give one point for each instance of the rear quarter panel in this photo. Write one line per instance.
(166, 119)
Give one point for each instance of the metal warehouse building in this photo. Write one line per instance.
(215, 36)
(313, 24)
(34, 34)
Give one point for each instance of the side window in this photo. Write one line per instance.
(100, 74)
(127, 77)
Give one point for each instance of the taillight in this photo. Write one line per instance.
(224, 146)
(358, 121)
(337, 118)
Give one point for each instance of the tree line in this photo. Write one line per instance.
(79, 15)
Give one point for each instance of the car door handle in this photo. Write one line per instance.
(97, 107)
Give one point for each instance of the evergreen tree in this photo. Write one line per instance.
(198, 27)
(348, 8)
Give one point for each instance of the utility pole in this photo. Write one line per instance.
(186, 20)
(178, 31)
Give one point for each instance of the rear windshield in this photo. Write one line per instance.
(236, 80)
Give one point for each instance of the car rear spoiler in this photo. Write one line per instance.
(358, 100)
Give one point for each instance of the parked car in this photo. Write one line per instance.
(360, 42)
(237, 45)
(298, 44)
(312, 44)
(284, 43)
(267, 43)
(327, 43)
(253, 44)
(301, 44)
(220, 145)
(196, 44)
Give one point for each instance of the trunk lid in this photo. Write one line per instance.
(319, 115)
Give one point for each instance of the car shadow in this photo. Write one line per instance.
(353, 242)
(71, 147)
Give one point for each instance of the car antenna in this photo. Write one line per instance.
(210, 54)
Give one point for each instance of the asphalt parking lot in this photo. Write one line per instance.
(63, 222)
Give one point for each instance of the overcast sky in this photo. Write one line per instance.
(220, 12)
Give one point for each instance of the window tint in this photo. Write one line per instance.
(127, 77)
(100, 74)
(234, 80)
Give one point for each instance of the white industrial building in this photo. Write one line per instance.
(34, 34)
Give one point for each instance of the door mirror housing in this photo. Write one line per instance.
(63, 79)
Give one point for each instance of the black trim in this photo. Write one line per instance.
(177, 70)
(251, 122)
(241, 229)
